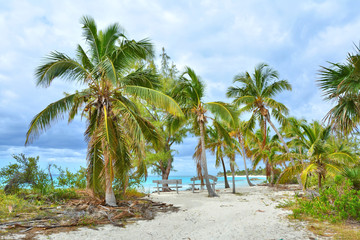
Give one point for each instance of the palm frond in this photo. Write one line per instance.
(52, 113)
(91, 36)
(155, 98)
(223, 111)
(58, 65)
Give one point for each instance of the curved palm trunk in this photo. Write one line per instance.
(203, 159)
(246, 170)
(225, 176)
(109, 192)
(286, 149)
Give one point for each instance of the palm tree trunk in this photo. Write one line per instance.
(319, 181)
(211, 191)
(225, 177)
(286, 149)
(232, 166)
(166, 173)
(246, 170)
(109, 192)
(272, 176)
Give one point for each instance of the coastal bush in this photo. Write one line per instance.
(68, 179)
(25, 173)
(61, 194)
(336, 203)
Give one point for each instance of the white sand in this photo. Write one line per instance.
(252, 215)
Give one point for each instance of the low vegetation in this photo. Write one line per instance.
(335, 212)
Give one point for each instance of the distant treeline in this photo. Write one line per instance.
(258, 171)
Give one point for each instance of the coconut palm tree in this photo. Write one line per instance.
(256, 93)
(340, 83)
(324, 155)
(216, 145)
(190, 93)
(239, 132)
(115, 130)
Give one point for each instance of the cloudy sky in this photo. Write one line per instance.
(218, 39)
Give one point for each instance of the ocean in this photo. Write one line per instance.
(240, 181)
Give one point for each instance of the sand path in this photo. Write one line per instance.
(250, 215)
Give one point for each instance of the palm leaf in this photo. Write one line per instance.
(52, 113)
(155, 98)
(223, 111)
(61, 66)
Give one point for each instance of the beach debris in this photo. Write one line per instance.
(82, 212)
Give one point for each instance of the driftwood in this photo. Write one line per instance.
(77, 213)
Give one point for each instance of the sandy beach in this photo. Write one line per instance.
(250, 214)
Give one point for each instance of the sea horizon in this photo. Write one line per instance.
(240, 181)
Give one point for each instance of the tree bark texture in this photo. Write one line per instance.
(211, 191)
(232, 166)
(109, 192)
(225, 176)
(246, 170)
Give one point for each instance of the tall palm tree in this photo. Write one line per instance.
(340, 83)
(256, 93)
(216, 145)
(230, 152)
(190, 94)
(239, 131)
(115, 128)
(323, 154)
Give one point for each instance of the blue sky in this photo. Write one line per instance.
(218, 39)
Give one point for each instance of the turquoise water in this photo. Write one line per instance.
(149, 186)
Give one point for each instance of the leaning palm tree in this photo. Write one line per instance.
(190, 94)
(115, 129)
(256, 93)
(340, 84)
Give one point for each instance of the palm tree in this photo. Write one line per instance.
(230, 152)
(256, 94)
(239, 132)
(340, 84)
(190, 95)
(267, 152)
(292, 130)
(216, 145)
(115, 128)
(324, 155)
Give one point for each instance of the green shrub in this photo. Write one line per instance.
(61, 194)
(336, 203)
(25, 173)
(72, 180)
